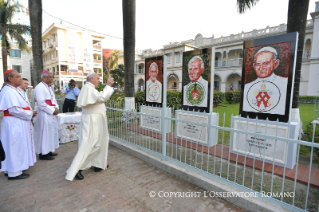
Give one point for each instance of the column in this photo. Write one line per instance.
(223, 86)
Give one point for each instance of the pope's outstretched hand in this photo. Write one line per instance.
(110, 81)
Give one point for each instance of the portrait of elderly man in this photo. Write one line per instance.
(195, 92)
(153, 86)
(266, 94)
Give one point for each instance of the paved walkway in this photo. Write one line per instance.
(125, 186)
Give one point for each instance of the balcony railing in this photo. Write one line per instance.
(97, 61)
(140, 71)
(96, 47)
(230, 62)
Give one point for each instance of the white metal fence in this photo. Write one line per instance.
(296, 189)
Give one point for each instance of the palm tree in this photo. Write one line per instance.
(129, 9)
(296, 22)
(118, 75)
(10, 31)
(113, 59)
(35, 7)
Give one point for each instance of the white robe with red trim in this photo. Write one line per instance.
(94, 137)
(16, 132)
(46, 124)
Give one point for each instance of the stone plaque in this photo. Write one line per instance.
(259, 146)
(270, 150)
(191, 131)
(150, 122)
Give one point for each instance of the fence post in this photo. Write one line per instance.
(164, 108)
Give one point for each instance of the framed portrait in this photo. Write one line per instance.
(197, 80)
(268, 77)
(154, 81)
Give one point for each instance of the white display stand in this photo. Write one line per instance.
(69, 126)
(261, 148)
(197, 133)
(154, 123)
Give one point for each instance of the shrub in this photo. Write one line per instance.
(174, 99)
(308, 134)
(140, 97)
(218, 98)
(117, 96)
(100, 87)
(308, 99)
(232, 97)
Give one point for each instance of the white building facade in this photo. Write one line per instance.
(70, 53)
(228, 57)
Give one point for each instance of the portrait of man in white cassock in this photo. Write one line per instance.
(266, 93)
(196, 91)
(153, 86)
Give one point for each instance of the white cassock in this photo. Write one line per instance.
(153, 91)
(46, 124)
(94, 137)
(16, 132)
(266, 95)
(199, 97)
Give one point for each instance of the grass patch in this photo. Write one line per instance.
(306, 116)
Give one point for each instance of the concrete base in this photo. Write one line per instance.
(202, 181)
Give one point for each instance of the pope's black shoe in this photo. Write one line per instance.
(53, 154)
(99, 169)
(46, 157)
(20, 177)
(79, 175)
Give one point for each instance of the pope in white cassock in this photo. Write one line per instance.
(268, 92)
(46, 136)
(94, 138)
(16, 128)
(153, 86)
(196, 92)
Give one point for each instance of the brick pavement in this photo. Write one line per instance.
(125, 186)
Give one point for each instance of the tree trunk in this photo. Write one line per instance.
(129, 8)
(297, 20)
(4, 58)
(35, 7)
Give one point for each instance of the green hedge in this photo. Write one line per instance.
(308, 99)
(232, 97)
(219, 97)
(174, 99)
(140, 98)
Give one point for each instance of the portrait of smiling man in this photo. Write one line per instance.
(195, 92)
(153, 86)
(268, 92)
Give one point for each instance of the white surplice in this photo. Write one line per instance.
(94, 138)
(16, 131)
(46, 136)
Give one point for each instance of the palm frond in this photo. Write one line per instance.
(243, 5)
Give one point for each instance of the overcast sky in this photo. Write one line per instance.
(164, 21)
